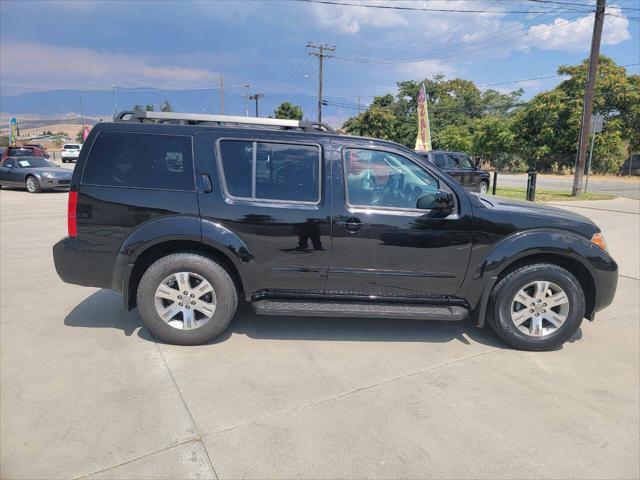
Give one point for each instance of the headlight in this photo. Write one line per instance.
(598, 239)
(48, 175)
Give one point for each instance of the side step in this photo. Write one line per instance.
(360, 309)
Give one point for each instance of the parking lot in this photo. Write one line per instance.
(87, 393)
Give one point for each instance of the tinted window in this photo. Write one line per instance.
(441, 160)
(140, 160)
(21, 152)
(452, 161)
(282, 171)
(34, 162)
(465, 162)
(8, 162)
(382, 179)
(71, 147)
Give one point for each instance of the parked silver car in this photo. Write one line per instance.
(33, 173)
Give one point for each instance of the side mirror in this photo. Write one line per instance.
(440, 201)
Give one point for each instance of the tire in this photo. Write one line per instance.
(64, 160)
(483, 187)
(32, 184)
(502, 315)
(225, 299)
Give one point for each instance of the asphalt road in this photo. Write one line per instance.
(622, 188)
(86, 392)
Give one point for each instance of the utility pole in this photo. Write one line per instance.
(81, 112)
(246, 99)
(115, 108)
(318, 51)
(256, 97)
(583, 141)
(358, 102)
(221, 95)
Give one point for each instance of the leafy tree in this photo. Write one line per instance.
(376, 121)
(79, 137)
(149, 108)
(287, 110)
(4, 141)
(138, 107)
(166, 106)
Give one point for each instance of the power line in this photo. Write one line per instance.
(319, 51)
(420, 9)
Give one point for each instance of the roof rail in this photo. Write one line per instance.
(221, 120)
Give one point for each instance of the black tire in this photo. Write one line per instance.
(485, 185)
(225, 291)
(32, 184)
(499, 307)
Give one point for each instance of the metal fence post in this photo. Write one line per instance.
(495, 182)
(531, 186)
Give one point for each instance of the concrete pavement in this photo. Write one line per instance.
(621, 186)
(87, 393)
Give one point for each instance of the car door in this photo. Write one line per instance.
(468, 171)
(382, 244)
(5, 171)
(269, 190)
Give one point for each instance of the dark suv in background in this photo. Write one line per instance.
(186, 214)
(460, 167)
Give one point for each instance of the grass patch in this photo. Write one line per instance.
(550, 195)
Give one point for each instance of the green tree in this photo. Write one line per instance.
(138, 107)
(4, 141)
(166, 106)
(287, 110)
(376, 122)
(149, 108)
(79, 138)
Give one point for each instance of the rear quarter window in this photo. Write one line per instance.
(140, 160)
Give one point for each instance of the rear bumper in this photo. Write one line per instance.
(77, 266)
(605, 277)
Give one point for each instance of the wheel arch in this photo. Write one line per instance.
(162, 249)
(565, 249)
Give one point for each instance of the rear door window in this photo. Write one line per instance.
(465, 162)
(140, 160)
(452, 161)
(271, 171)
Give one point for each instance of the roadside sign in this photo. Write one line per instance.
(597, 122)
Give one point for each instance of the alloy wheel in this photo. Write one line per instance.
(185, 300)
(539, 308)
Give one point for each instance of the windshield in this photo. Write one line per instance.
(21, 152)
(71, 147)
(34, 162)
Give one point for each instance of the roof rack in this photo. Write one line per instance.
(220, 120)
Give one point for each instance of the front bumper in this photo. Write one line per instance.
(605, 277)
(49, 183)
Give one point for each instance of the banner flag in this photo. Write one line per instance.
(423, 142)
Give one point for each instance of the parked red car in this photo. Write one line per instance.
(23, 151)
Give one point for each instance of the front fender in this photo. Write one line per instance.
(533, 242)
(515, 247)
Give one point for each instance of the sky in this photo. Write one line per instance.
(47, 45)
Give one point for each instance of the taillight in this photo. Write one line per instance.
(72, 207)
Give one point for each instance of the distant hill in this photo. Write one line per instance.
(99, 103)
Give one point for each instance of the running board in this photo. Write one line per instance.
(360, 309)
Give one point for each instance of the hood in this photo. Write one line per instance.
(57, 171)
(525, 215)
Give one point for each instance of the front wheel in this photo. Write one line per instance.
(484, 187)
(32, 184)
(536, 307)
(186, 299)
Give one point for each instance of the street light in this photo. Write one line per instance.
(256, 97)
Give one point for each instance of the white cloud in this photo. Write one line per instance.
(425, 69)
(68, 67)
(350, 20)
(575, 35)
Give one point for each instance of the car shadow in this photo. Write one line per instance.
(104, 309)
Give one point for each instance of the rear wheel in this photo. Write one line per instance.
(186, 299)
(484, 187)
(536, 307)
(33, 186)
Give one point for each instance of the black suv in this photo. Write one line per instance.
(186, 214)
(460, 167)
